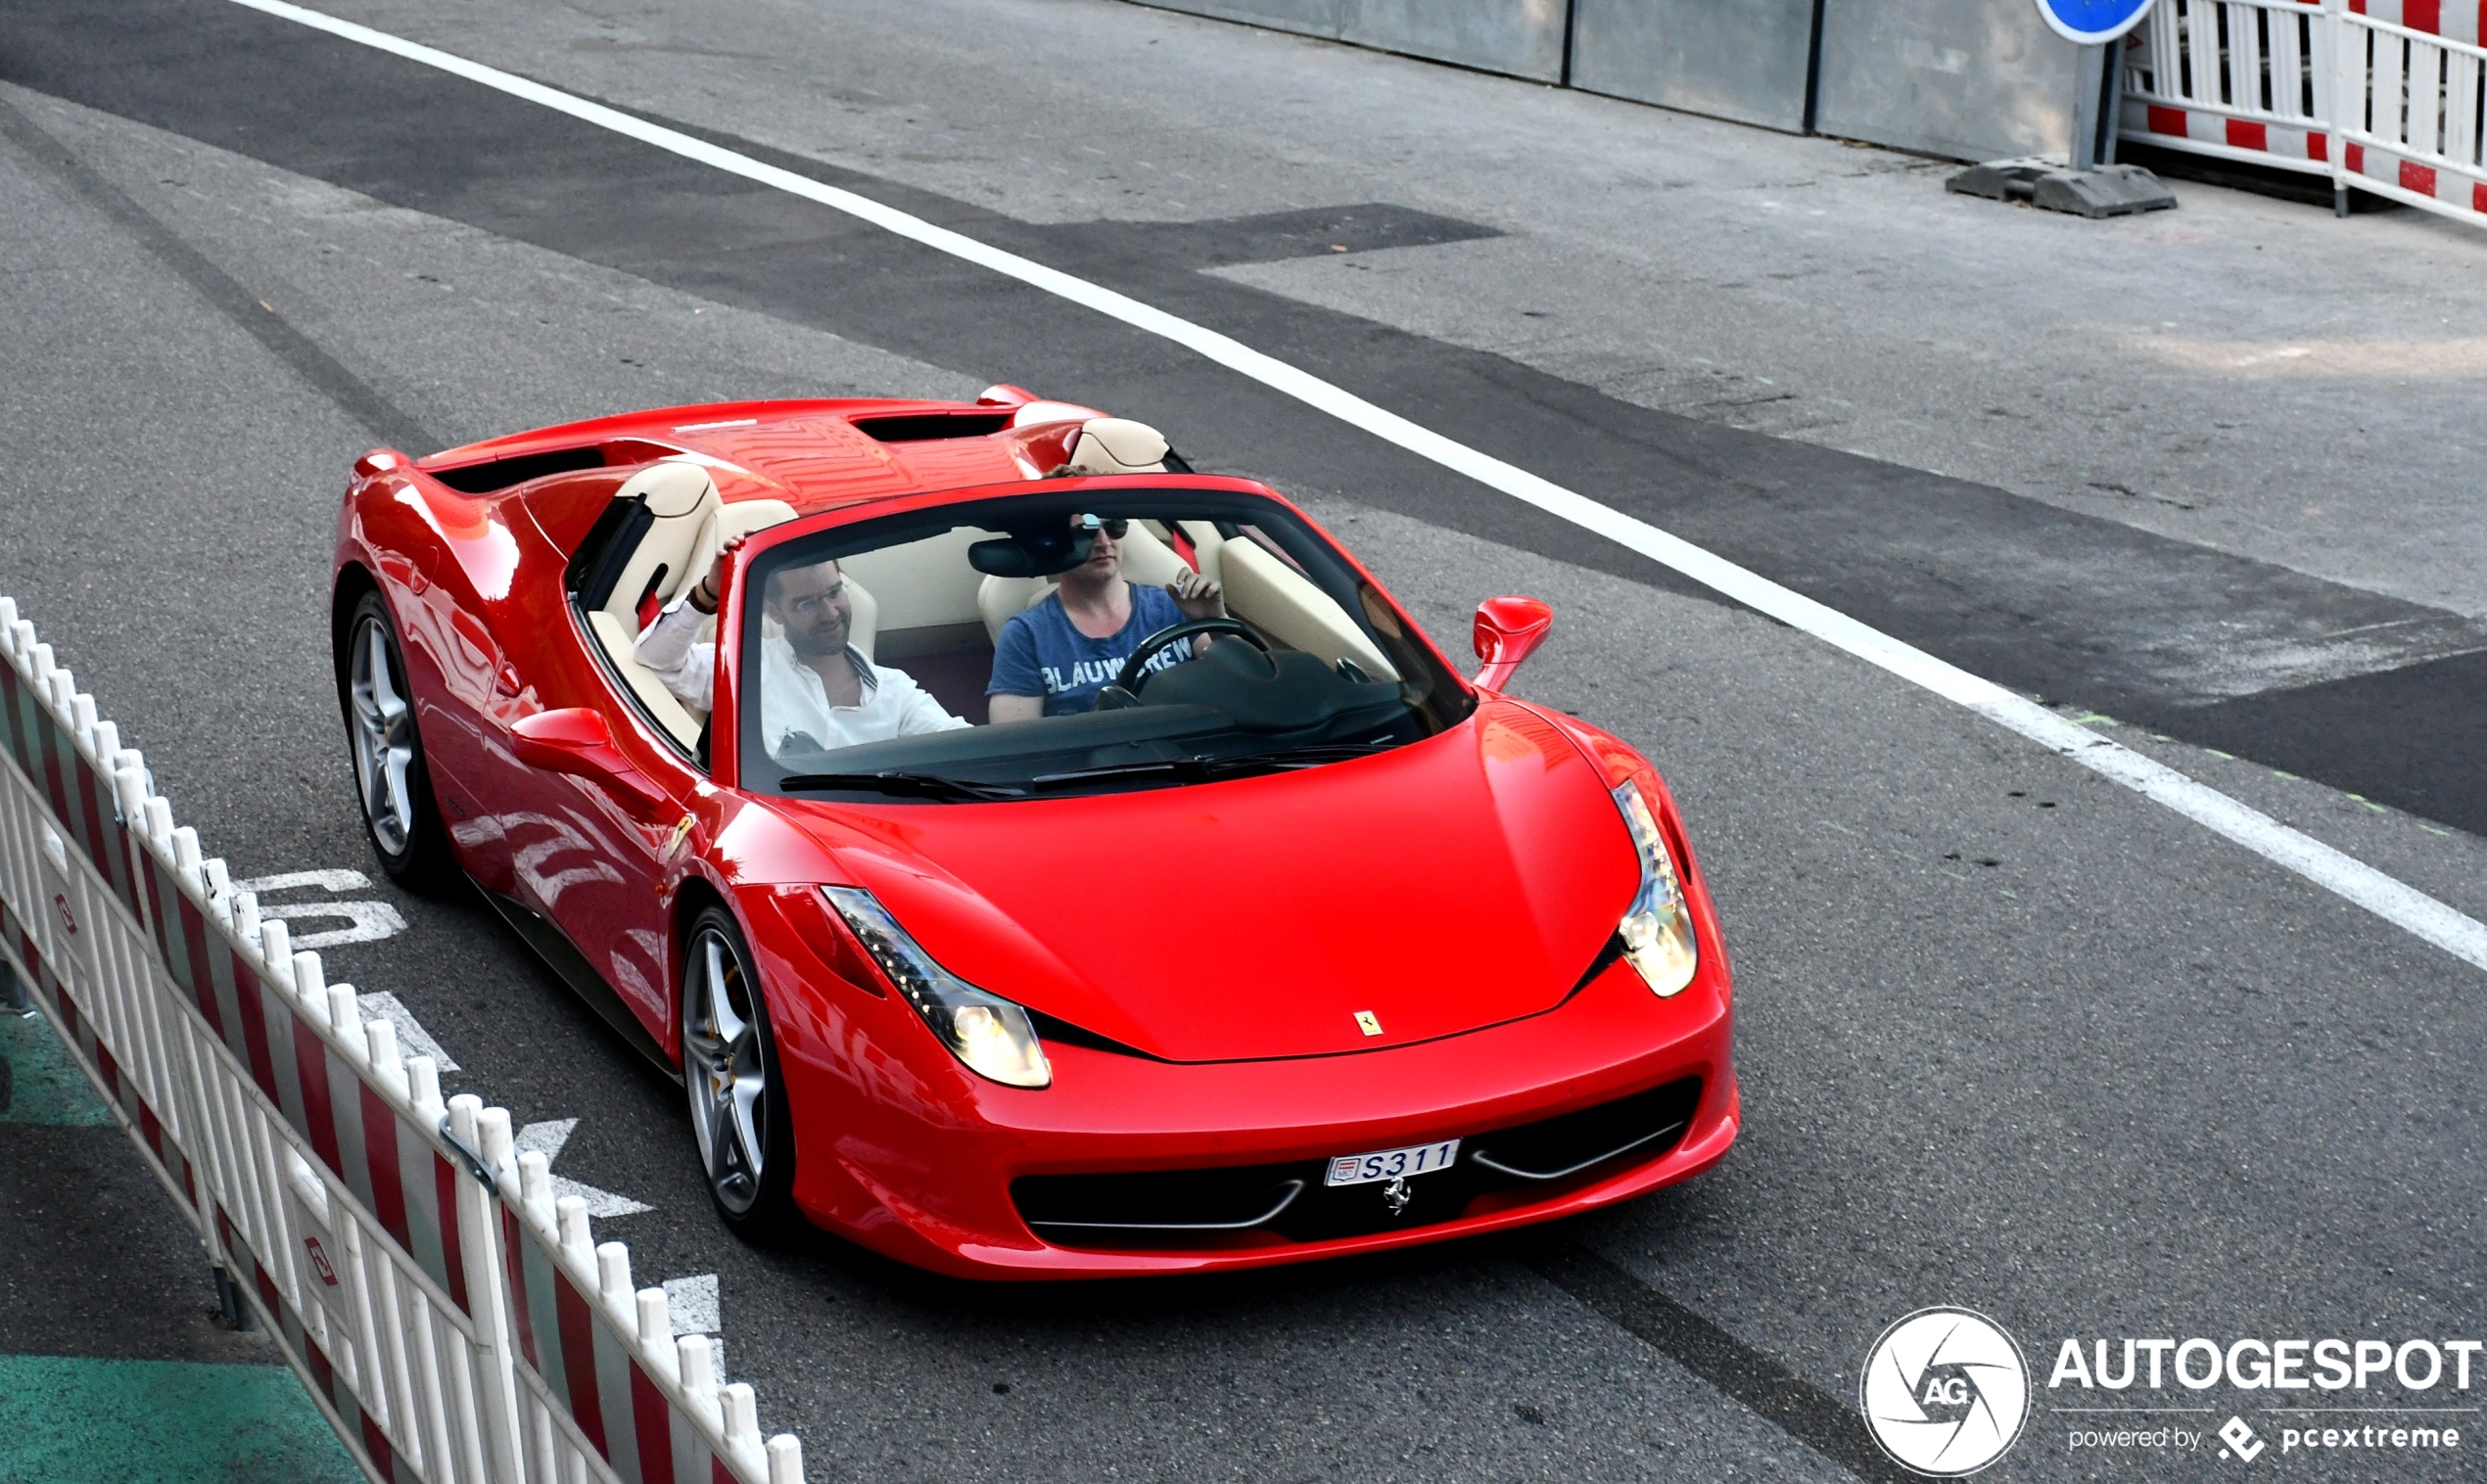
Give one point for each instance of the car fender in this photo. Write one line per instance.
(435, 555)
(1623, 761)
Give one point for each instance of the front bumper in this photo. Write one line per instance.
(917, 1159)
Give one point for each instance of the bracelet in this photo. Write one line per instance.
(711, 605)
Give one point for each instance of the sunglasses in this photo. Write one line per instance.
(1115, 528)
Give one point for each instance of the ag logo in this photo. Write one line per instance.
(1945, 1391)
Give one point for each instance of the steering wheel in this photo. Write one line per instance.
(1175, 634)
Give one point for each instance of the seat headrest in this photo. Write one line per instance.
(1117, 446)
(671, 489)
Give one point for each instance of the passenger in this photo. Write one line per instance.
(814, 685)
(1054, 658)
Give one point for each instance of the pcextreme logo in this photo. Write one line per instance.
(1946, 1392)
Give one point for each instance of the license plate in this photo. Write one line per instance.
(1391, 1164)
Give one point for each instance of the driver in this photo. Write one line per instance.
(1052, 659)
(815, 684)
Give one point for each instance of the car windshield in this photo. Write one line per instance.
(1051, 644)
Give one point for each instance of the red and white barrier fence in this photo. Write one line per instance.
(2410, 75)
(453, 1323)
(2382, 96)
(2245, 80)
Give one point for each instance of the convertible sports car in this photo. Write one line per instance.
(1269, 938)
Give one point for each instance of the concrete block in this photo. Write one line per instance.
(2115, 190)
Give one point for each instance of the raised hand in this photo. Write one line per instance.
(1198, 596)
(710, 594)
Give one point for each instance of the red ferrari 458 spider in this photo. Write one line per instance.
(1047, 861)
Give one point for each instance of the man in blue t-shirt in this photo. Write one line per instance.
(1054, 658)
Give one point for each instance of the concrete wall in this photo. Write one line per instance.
(1521, 37)
(1743, 60)
(1973, 80)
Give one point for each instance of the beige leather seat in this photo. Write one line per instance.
(998, 600)
(1117, 446)
(691, 524)
(684, 500)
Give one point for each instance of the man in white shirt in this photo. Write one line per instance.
(815, 684)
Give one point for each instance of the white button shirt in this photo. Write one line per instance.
(792, 698)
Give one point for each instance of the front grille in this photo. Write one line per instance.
(1252, 1203)
(1192, 1201)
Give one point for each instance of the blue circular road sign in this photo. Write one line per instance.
(2090, 22)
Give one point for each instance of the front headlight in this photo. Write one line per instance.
(1658, 932)
(987, 1032)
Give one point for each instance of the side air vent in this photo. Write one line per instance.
(926, 427)
(1073, 1207)
(1554, 1148)
(501, 473)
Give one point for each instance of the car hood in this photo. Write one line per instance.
(1451, 884)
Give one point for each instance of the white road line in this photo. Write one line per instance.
(366, 922)
(692, 1303)
(548, 1138)
(413, 1039)
(2392, 899)
(332, 879)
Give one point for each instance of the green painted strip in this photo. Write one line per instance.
(77, 1422)
(38, 1083)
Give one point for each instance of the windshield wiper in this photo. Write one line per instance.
(902, 784)
(1201, 770)
(1312, 755)
(1186, 770)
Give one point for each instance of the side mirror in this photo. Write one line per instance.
(575, 740)
(1509, 629)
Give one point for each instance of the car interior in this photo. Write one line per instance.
(924, 605)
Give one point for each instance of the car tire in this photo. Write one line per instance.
(729, 1077)
(393, 784)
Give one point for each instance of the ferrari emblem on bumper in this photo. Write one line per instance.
(1396, 1195)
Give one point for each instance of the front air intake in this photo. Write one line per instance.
(1289, 1203)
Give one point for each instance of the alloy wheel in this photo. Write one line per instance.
(384, 739)
(724, 1071)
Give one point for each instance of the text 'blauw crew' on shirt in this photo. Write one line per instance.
(1042, 653)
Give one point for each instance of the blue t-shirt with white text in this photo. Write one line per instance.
(1040, 653)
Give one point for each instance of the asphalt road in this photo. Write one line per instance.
(2011, 1038)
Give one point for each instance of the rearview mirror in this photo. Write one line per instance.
(1509, 629)
(576, 741)
(1040, 553)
